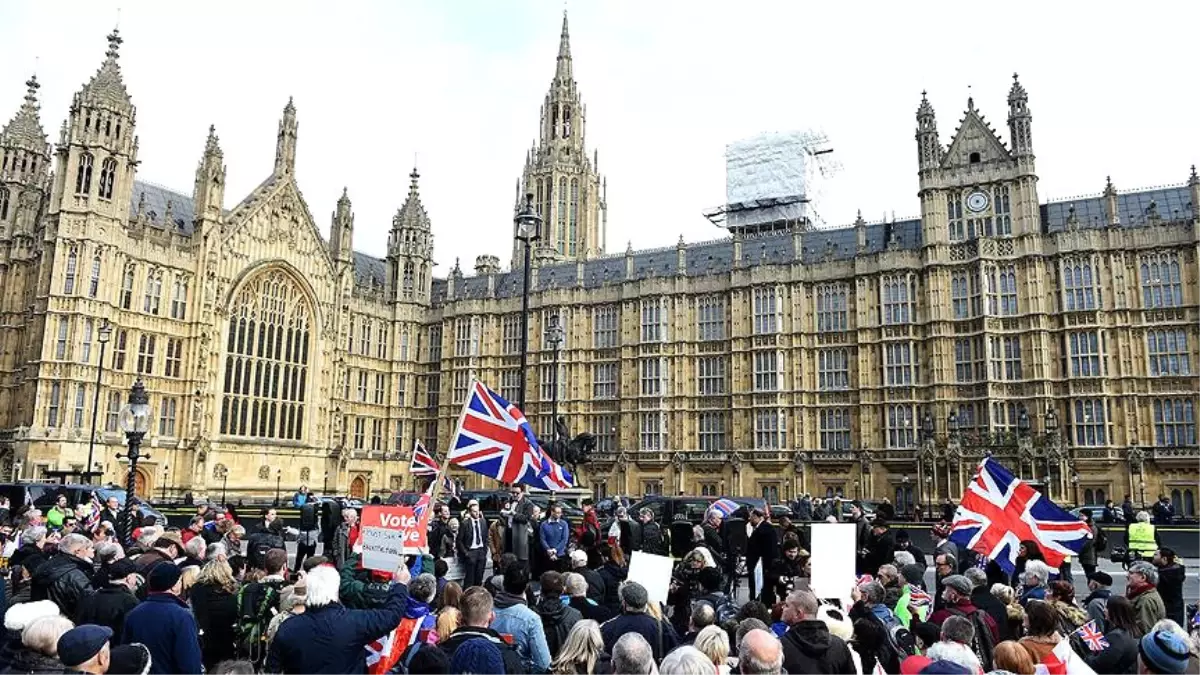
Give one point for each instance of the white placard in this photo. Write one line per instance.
(382, 548)
(758, 578)
(833, 559)
(653, 572)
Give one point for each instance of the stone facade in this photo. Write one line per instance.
(878, 359)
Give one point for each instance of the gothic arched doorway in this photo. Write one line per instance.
(358, 488)
(139, 484)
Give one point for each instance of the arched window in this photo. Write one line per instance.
(266, 367)
(547, 198)
(127, 288)
(572, 228)
(562, 215)
(72, 265)
(94, 281)
(83, 178)
(408, 279)
(422, 272)
(108, 176)
(3, 203)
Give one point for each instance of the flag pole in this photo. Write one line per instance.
(445, 465)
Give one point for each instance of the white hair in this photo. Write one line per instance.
(195, 547)
(33, 535)
(687, 660)
(215, 550)
(1142, 517)
(903, 558)
(575, 585)
(322, 584)
(1145, 569)
(73, 543)
(631, 655)
(955, 652)
(423, 587)
(149, 536)
(706, 554)
(1037, 571)
(41, 635)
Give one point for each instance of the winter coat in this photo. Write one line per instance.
(341, 545)
(590, 609)
(107, 607)
(655, 539)
(967, 610)
(1119, 658)
(1095, 604)
(1148, 607)
(65, 579)
(1170, 589)
(513, 617)
(24, 554)
(512, 662)
(595, 582)
(26, 660)
(522, 514)
(163, 623)
(331, 638)
(1040, 646)
(808, 647)
(983, 599)
(1070, 617)
(1087, 555)
(216, 615)
(881, 550)
(659, 634)
(631, 536)
(612, 575)
(1032, 593)
(557, 620)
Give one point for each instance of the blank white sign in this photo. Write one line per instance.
(653, 572)
(833, 559)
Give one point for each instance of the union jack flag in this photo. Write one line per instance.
(423, 463)
(493, 438)
(998, 511)
(918, 596)
(725, 507)
(1092, 637)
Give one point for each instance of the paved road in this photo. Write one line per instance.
(1191, 586)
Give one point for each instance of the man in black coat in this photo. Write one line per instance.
(471, 545)
(763, 547)
(477, 615)
(634, 619)
(982, 598)
(808, 646)
(109, 605)
(111, 513)
(67, 577)
(880, 548)
(631, 532)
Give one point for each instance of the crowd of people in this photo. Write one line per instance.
(538, 594)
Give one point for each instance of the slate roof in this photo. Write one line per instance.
(183, 209)
(1172, 203)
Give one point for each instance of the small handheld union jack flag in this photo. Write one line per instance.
(423, 463)
(918, 596)
(1092, 637)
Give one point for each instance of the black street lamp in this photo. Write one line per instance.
(554, 337)
(135, 422)
(1051, 420)
(278, 481)
(904, 493)
(952, 423)
(105, 333)
(325, 485)
(166, 473)
(1023, 423)
(529, 225)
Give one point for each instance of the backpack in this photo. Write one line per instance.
(1101, 539)
(308, 517)
(256, 604)
(899, 644)
(724, 609)
(982, 644)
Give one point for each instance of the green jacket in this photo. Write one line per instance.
(1148, 608)
(359, 591)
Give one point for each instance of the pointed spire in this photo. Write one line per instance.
(563, 71)
(1017, 92)
(285, 144)
(212, 146)
(344, 200)
(926, 108)
(413, 187)
(412, 212)
(107, 84)
(1193, 179)
(25, 128)
(1110, 190)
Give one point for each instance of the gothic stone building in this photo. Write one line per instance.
(879, 359)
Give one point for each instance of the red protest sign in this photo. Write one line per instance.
(390, 532)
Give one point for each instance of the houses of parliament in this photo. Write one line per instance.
(879, 359)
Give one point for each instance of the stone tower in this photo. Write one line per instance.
(567, 188)
(341, 230)
(97, 151)
(977, 187)
(24, 178)
(410, 249)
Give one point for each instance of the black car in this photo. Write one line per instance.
(44, 495)
(669, 509)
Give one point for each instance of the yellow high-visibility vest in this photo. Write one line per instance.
(1141, 538)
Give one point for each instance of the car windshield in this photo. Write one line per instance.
(104, 493)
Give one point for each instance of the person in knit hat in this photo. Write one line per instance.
(165, 625)
(478, 655)
(15, 620)
(1163, 651)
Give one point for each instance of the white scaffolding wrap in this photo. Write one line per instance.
(775, 177)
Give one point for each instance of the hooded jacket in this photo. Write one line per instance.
(557, 620)
(515, 618)
(512, 661)
(808, 647)
(65, 579)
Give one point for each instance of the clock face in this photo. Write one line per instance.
(977, 201)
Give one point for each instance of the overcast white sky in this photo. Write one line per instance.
(667, 85)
